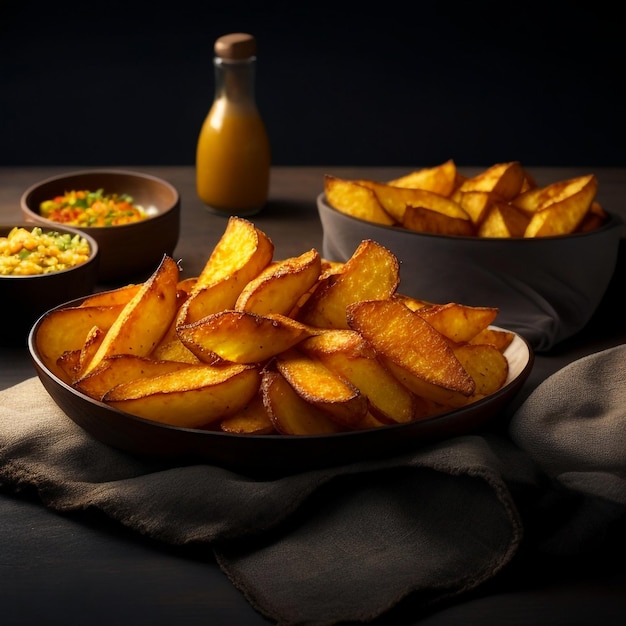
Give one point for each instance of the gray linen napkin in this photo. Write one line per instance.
(322, 547)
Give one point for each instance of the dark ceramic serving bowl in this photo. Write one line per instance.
(25, 298)
(546, 288)
(129, 251)
(262, 455)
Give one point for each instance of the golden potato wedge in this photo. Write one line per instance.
(63, 330)
(423, 220)
(410, 302)
(503, 179)
(348, 355)
(415, 352)
(503, 220)
(174, 350)
(242, 337)
(252, 419)
(440, 179)
(458, 322)
(485, 364)
(354, 199)
(562, 206)
(68, 365)
(501, 339)
(240, 255)
(371, 273)
(476, 204)
(289, 413)
(146, 318)
(122, 368)
(279, 287)
(395, 200)
(322, 388)
(194, 396)
(121, 295)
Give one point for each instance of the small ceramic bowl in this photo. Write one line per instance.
(128, 251)
(26, 298)
(546, 289)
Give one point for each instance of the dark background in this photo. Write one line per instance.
(382, 83)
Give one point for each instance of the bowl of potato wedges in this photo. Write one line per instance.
(542, 254)
(266, 365)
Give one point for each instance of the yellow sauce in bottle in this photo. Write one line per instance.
(233, 155)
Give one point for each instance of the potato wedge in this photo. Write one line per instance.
(63, 330)
(240, 255)
(458, 322)
(503, 179)
(241, 337)
(122, 368)
(415, 352)
(289, 413)
(486, 365)
(503, 220)
(194, 396)
(440, 179)
(279, 287)
(501, 339)
(354, 199)
(252, 419)
(423, 220)
(121, 295)
(144, 321)
(562, 207)
(371, 273)
(348, 355)
(339, 399)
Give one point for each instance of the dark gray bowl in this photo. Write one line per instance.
(546, 288)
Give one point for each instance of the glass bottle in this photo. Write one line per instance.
(233, 154)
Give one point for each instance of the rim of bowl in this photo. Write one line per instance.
(614, 220)
(93, 245)
(90, 172)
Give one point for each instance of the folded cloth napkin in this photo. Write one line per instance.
(340, 544)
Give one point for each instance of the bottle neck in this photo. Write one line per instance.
(234, 81)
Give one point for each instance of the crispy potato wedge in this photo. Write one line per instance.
(144, 321)
(371, 273)
(242, 337)
(319, 386)
(122, 368)
(485, 364)
(354, 199)
(121, 295)
(476, 204)
(503, 179)
(504, 220)
(279, 287)
(252, 419)
(174, 350)
(501, 339)
(194, 396)
(290, 414)
(63, 330)
(415, 352)
(562, 207)
(348, 355)
(440, 179)
(240, 255)
(458, 322)
(423, 220)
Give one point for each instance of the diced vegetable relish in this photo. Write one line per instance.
(26, 253)
(92, 208)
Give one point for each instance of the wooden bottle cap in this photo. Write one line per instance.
(235, 46)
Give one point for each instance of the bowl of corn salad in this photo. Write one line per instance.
(40, 268)
(134, 216)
